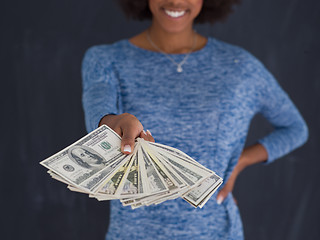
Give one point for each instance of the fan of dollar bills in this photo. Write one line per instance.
(152, 174)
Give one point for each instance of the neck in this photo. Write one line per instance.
(168, 42)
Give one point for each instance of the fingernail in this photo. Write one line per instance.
(144, 132)
(220, 200)
(127, 148)
(149, 132)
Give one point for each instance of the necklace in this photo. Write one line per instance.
(179, 65)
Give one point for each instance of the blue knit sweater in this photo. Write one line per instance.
(204, 111)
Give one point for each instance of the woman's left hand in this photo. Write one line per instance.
(228, 187)
(250, 155)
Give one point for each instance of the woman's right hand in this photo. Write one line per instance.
(128, 127)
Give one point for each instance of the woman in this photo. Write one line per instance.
(194, 93)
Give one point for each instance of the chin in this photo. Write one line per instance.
(175, 27)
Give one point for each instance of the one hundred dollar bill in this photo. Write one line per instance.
(201, 191)
(89, 161)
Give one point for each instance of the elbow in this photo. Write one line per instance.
(302, 133)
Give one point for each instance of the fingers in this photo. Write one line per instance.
(118, 131)
(128, 127)
(222, 195)
(146, 135)
(228, 187)
(150, 137)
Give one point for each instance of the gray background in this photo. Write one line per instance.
(42, 45)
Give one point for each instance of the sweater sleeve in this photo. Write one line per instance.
(290, 130)
(100, 88)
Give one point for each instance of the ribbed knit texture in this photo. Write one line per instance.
(204, 111)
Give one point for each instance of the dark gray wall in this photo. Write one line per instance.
(42, 44)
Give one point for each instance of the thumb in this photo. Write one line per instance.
(128, 138)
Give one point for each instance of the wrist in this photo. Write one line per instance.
(252, 155)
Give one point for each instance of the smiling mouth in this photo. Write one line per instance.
(174, 14)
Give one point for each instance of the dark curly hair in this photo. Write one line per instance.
(212, 10)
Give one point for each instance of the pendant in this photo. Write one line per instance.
(179, 69)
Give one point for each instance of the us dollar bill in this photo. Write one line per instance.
(111, 187)
(202, 190)
(177, 180)
(132, 185)
(89, 161)
(205, 199)
(154, 179)
(157, 185)
(193, 174)
(177, 153)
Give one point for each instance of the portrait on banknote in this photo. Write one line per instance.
(85, 157)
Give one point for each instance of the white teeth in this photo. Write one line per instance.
(175, 14)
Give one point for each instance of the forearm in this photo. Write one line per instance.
(100, 94)
(251, 155)
(285, 138)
